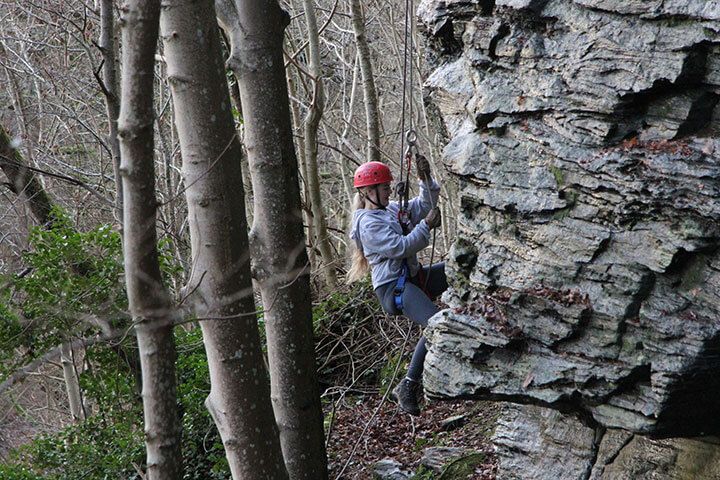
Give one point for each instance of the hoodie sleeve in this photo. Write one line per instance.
(420, 206)
(378, 236)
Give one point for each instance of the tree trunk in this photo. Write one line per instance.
(112, 97)
(22, 180)
(72, 382)
(19, 107)
(237, 105)
(368, 82)
(346, 170)
(149, 302)
(280, 262)
(312, 120)
(221, 284)
(307, 206)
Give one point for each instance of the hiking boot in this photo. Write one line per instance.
(406, 395)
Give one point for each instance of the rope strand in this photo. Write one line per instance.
(407, 106)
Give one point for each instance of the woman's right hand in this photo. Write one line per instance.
(433, 219)
(423, 168)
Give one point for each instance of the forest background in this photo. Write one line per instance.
(70, 376)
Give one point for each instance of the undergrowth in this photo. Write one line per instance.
(352, 338)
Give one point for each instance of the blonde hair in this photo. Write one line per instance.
(359, 266)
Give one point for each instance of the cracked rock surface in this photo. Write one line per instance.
(536, 443)
(584, 136)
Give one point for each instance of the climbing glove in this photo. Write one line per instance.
(423, 167)
(433, 219)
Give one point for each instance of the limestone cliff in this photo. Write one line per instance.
(586, 273)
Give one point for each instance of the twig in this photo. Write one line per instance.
(375, 413)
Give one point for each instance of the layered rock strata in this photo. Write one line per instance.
(586, 273)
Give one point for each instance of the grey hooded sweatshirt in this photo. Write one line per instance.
(380, 237)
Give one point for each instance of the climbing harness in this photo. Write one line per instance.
(400, 287)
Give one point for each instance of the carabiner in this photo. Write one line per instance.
(411, 138)
(400, 188)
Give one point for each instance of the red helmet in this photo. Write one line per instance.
(372, 173)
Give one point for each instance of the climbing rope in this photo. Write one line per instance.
(403, 189)
(406, 43)
(410, 136)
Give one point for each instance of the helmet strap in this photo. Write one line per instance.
(377, 195)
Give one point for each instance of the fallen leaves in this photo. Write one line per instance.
(399, 436)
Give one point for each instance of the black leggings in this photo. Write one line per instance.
(417, 306)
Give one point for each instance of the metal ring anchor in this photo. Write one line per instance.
(411, 137)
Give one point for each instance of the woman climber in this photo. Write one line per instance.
(390, 250)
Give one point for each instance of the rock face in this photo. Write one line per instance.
(586, 273)
(536, 443)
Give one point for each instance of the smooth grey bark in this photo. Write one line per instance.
(300, 141)
(312, 120)
(237, 105)
(346, 170)
(221, 284)
(307, 206)
(149, 301)
(72, 382)
(280, 265)
(368, 82)
(247, 181)
(108, 49)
